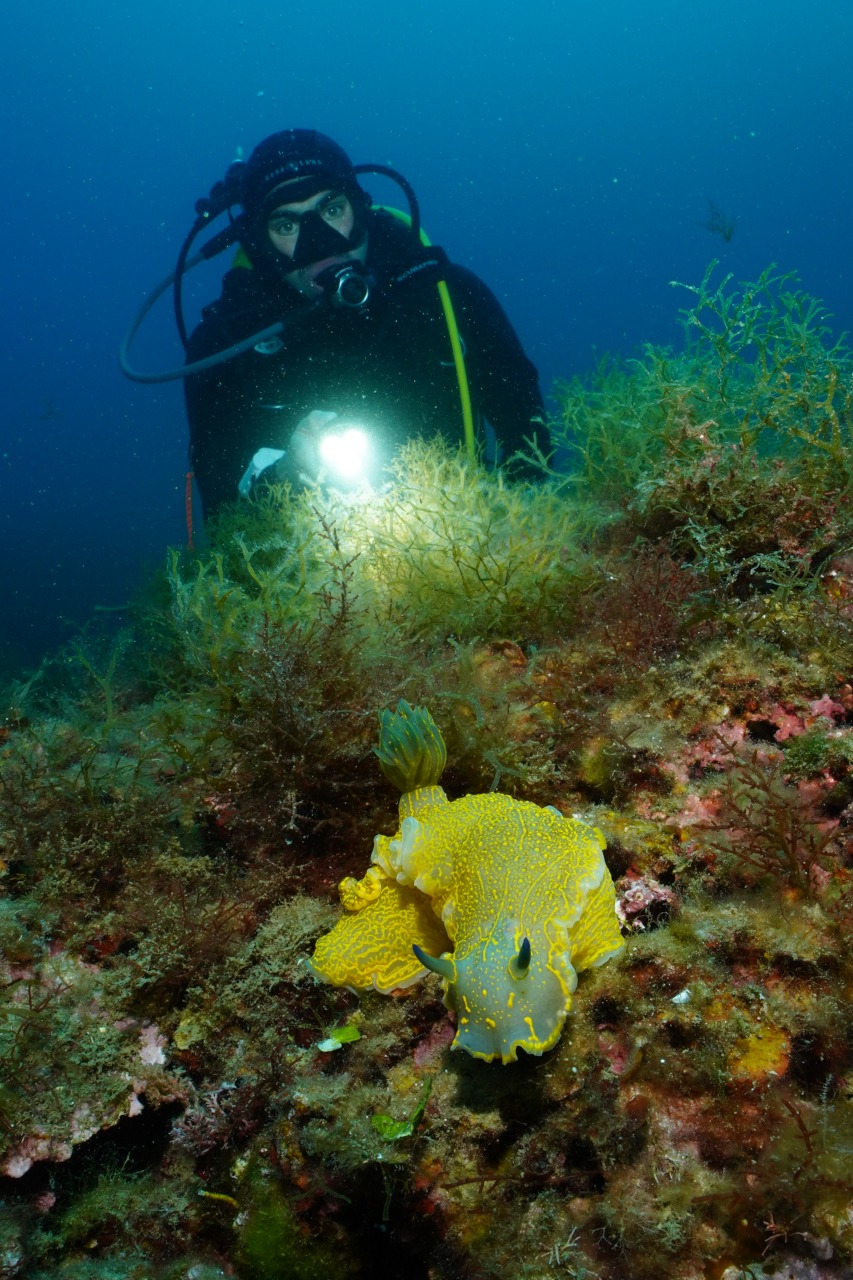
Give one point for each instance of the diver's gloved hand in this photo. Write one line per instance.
(303, 451)
(263, 460)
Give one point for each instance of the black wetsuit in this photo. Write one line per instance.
(388, 367)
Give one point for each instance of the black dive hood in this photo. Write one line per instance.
(345, 285)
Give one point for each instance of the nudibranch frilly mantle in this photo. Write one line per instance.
(521, 894)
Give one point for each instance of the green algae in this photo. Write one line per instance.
(393, 1130)
(270, 1244)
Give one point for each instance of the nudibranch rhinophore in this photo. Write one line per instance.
(506, 900)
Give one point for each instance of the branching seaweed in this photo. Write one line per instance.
(764, 823)
(753, 413)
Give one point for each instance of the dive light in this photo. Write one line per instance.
(346, 455)
(342, 457)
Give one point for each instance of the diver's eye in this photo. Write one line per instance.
(284, 227)
(334, 210)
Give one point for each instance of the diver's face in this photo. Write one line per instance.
(283, 230)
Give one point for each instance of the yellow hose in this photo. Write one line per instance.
(455, 342)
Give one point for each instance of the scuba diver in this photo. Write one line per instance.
(338, 321)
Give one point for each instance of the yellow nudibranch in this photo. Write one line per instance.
(521, 894)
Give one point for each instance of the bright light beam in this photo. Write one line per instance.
(345, 455)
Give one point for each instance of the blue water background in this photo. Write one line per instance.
(565, 152)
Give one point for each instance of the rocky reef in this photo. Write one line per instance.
(656, 640)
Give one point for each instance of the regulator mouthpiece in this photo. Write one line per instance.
(345, 285)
